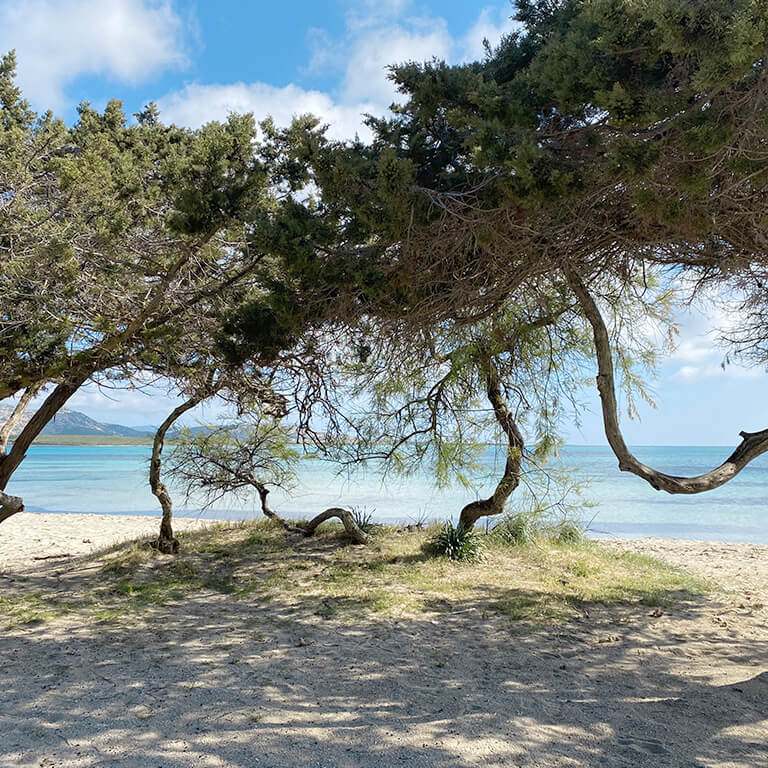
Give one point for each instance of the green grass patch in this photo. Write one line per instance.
(542, 582)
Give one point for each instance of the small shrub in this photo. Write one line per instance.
(518, 530)
(568, 532)
(456, 543)
(364, 519)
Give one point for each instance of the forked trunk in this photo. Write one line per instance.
(9, 463)
(16, 416)
(514, 461)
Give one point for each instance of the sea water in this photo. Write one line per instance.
(113, 480)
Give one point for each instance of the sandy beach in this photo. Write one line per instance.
(210, 682)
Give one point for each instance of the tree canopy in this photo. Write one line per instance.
(489, 249)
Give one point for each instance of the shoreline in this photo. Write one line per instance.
(29, 538)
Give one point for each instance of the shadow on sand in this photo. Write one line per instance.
(215, 682)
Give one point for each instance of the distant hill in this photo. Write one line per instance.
(68, 422)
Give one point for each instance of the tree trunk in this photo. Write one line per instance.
(753, 444)
(166, 541)
(351, 527)
(514, 461)
(16, 416)
(10, 505)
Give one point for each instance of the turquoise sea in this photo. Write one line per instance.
(112, 480)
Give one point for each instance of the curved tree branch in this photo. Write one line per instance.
(351, 527)
(345, 516)
(9, 505)
(753, 443)
(515, 444)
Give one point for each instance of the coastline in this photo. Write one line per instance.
(67, 535)
(29, 537)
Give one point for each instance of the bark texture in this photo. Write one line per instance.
(50, 407)
(350, 526)
(753, 444)
(9, 463)
(166, 541)
(514, 461)
(9, 505)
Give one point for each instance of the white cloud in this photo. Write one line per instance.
(199, 104)
(698, 349)
(57, 41)
(712, 370)
(491, 25)
(377, 36)
(369, 13)
(366, 74)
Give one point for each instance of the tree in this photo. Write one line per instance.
(607, 145)
(250, 455)
(115, 240)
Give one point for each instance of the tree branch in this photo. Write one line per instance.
(9, 505)
(16, 416)
(515, 444)
(753, 444)
(351, 527)
(50, 407)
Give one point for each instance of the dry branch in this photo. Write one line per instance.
(351, 527)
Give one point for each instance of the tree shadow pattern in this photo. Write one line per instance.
(209, 681)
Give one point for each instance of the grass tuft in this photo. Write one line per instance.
(456, 543)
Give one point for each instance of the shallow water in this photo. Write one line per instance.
(112, 480)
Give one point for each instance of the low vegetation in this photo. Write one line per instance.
(543, 581)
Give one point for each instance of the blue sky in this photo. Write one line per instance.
(199, 60)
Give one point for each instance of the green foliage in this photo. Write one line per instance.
(551, 508)
(524, 528)
(234, 459)
(456, 543)
(568, 532)
(518, 529)
(364, 519)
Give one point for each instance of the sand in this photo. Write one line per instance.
(212, 683)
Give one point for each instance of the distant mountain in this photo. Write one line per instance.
(67, 422)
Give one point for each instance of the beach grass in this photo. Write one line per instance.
(541, 583)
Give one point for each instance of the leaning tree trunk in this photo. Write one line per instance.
(9, 463)
(166, 541)
(346, 517)
(10, 505)
(514, 461)
(753, 443)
